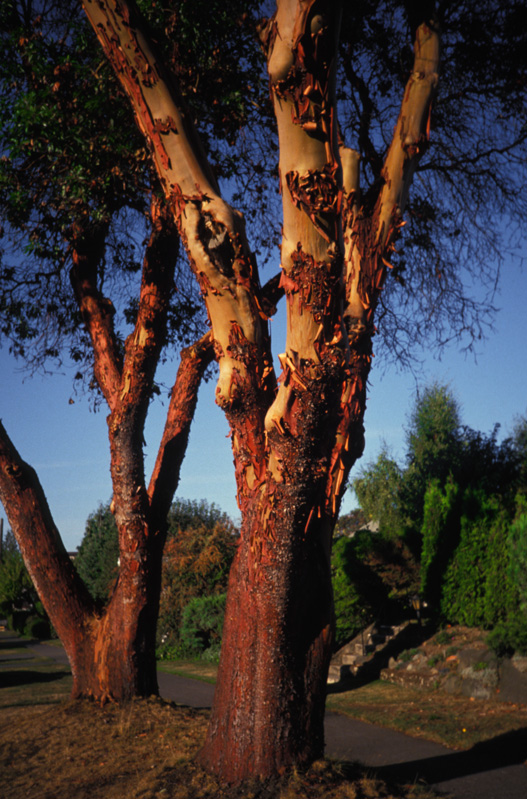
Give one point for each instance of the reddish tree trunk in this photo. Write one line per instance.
(293, 448)
(269, 701)
(112, 655)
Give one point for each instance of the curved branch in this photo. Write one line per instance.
(143, 346)
(411, 135)
(213, 233)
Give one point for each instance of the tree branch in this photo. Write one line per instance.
(410, 136)
(68, 603)
(143, 346)
(183, 399)
(212, 232)
(97, 311)
(301, 44)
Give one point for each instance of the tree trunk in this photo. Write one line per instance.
(293, 448)
(269, 701)
(112, 655)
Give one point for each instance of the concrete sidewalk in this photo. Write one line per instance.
(492, 770)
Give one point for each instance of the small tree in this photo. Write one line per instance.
(97, 560)
(378, 490)
(16, 588)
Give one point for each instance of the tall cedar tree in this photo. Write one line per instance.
(294, 439)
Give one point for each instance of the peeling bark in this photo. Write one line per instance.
(213, 232)
(293, 447)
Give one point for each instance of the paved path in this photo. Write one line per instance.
(488, 771)
(493, 770)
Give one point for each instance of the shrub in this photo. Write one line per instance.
(357, 591)
(475, 590)
(509, 636)
(518, 561)
(202, 626)
(16, 620)
(443, 637)
(440, 532)
(37, 627)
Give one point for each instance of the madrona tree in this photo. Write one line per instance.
(295, 438)
(73, 175)
(352, 134)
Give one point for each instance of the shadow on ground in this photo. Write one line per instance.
(509, 749)
(15, 643)
(17, 677)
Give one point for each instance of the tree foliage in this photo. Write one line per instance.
(458, 503)
(377, 489)
(198, 556)
(97, 559)
(16, 588)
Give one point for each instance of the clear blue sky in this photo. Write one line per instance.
(67, 443)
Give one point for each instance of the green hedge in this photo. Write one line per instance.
(467, 557)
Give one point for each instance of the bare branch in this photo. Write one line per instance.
(144, 345)
(67, 600)
(183, 399)
(97, 311)
(410, 136)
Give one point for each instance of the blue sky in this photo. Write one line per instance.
(67, 443)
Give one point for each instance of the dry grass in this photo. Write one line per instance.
(51, 748)
(144, 750)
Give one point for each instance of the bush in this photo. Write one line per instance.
(16, 620)
(475, 590)
(439, 534)
(518, 559)
(202, 626)
(359, 594)
(37, 627)
(196, 563)
(509, 637)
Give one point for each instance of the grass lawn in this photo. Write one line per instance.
(455, 721)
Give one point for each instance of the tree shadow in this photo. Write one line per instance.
(14, 642)
(14, 678)
(508, 749)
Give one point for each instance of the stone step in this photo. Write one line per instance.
(356, 654)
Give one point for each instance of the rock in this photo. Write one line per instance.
(513, 681)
